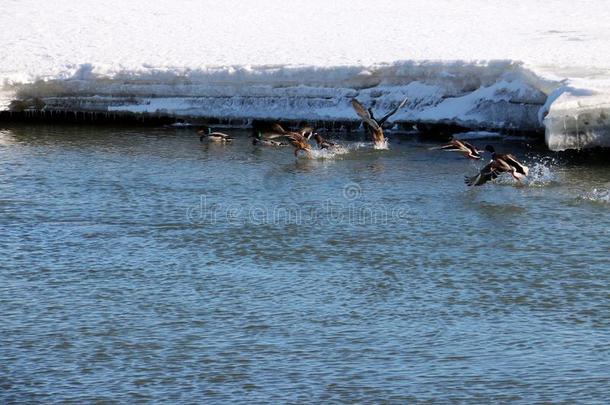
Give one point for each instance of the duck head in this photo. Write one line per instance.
(204, 131)
(490, 149)
(256, 137)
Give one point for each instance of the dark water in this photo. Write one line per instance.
(138, 265)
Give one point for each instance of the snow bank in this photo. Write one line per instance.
(578, 116)
(456, 61)
(487, 95)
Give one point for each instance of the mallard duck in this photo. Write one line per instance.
(456, 145)
(519, 170)
(259, 139)
(300, 140)
(220, 137)
(500, 163)
(374, 127)
(300, 143)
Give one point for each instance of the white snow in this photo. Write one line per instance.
(578, 116)
(482, 64)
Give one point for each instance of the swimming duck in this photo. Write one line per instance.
(219, 137)
(374, 127)
(456, 145)
(500, 163)
(259, 139)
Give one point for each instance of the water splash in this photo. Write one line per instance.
(382, 146)
(337, 150)
(597, 195)
(359, 145)
(541, 174)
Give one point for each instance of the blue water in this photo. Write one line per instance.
(138, 265)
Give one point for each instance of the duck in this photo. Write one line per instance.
(220, 137)
(299, 140)
(259, 139)
(500, 163)
(456, 145)
(375, 127)
(519, 170)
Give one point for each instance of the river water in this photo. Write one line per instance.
(139, 265)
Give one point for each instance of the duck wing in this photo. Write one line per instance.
(471, 148)
(364, 114)
(473, 152)
(394, 111)
(453, 146)
(519, 167)
(297, 140)
(487, 173)
(278, 132)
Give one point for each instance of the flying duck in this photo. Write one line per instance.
(299, 140)
(456, 145)
(374, 127)
(500, 163)
(519, 170)
(300, 143)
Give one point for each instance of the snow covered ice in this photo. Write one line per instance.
(484, 65)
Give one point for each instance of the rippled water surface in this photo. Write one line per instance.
(137, 265)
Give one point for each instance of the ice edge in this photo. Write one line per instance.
(496, 95)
